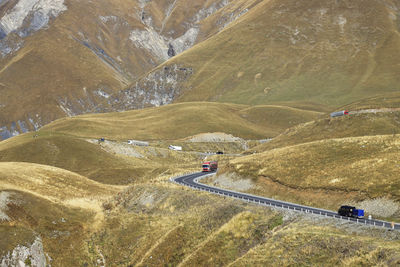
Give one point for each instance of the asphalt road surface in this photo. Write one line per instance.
(192, 180)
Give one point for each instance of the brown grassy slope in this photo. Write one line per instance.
(315, 245)
(191, 228)
(326, 173)
(182, 120)
(223, 17)
(179, 220)
(59, 206)
(94, 161)
(52, 183)
(75, 155)
(368, 124)
(52, 70)
(28, 85)
(385, 101)
(86, 49)
(62, 229)
(288, 51)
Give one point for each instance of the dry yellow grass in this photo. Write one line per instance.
(313, 245)
(326, 173)
(191, 228)
(367, 124)
(178, 121)
(54, 184)
(109, 163)
(305, 52)
(159, 223)
(52, 203)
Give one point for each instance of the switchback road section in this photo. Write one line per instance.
(192, 181)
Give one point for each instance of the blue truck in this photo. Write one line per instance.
(350, 211)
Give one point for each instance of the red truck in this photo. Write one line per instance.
(210, 166)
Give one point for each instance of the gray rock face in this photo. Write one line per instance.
(185, 41)
(163, 45)
(32, 123)
(4, 201)
(158, 88)
(24, 18)
(30, 255)
(171, 51)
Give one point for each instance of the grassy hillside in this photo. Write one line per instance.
(55, 184)
(364, 124)
(58, 206)
(327, 173)
(90, 50)
(48, 76)
(318, 245)
(162, 223)
(62, 229)
(194, 228)
(181, 120)
(323, 52)
(381, 101)
(112, 163)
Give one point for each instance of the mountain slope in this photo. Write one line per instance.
(107, 163)
(181, 120)
(355, 125)
(74, 57)
(317, 52)
(53, 207)
(61, 58)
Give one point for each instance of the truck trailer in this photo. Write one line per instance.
(350, 211)
(210, 166)
(339, 113)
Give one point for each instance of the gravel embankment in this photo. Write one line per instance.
(4, 200)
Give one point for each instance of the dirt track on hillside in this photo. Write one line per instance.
(379, 110)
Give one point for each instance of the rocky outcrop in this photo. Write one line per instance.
(160, 46)
(4, 201)
(24, 18)
(164, 45)
(158, 88)
(29, 255)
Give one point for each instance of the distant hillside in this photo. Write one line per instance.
(313, 53)
(354, 125)
(177, 121)
(74, 155)
(76, 57)
(377, 102)
(61, 58)
(108, 163)
(48, 182)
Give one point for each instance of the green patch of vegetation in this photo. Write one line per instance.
(28, 261)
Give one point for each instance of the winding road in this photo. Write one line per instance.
(192, 180)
